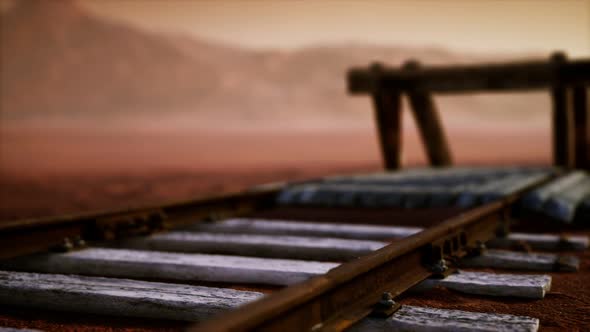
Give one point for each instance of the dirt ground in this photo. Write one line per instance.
(32, 195)
(565, 308)
(32, 185)
(48, 170)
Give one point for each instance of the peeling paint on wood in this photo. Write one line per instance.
(172, 266)
(535, 199)
(118, 297)
(437, 176)
(411, 189)
(564, 204)
(493, 284)
(296, 247)
(303, 228)
(542, 241)
(376, 232)
(424, 319)
(504, 259)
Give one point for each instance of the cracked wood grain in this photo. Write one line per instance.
(118, 297)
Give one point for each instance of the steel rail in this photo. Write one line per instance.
(27, 236)
(346, 294)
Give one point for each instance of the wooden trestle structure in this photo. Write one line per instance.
(566, 80)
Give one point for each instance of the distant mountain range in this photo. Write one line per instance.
(60, 60)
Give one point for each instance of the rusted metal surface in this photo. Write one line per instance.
(347, 293)
(332, 301)
(21, 237)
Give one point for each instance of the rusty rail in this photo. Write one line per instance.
(330, 302)
(21, 237)
(348, 293)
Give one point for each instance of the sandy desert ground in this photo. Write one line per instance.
(51, 171)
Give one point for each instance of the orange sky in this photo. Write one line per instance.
(480, 26)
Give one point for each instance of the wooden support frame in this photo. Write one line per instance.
(562, 119)
(581, 114)
(388, 117)
(567, 80)
(562, 124)
(428, 122)
(388, 120)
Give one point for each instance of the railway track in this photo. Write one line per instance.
(365, 252)
(245, 262)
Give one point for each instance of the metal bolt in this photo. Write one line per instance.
(64, 246)
(440, 266)
(385, 307)
(564, 242)
(479, 248)
(317, 327)
(79, 242)
(386, 300)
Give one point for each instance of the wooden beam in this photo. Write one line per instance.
(425, 319)
(564, 204)
(581, 110)
(305, 228)
(389, 124)
(519, 76)
(494, 284)
(118, 297)
(562, 119)
(273, 246)
(430, 127)
(171, 266)
(537, 198)
(376, 232)
(428, 122)
(516, 260)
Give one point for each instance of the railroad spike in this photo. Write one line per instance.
(440, 268)
(65, 245)
(385, 307)
(478, 249)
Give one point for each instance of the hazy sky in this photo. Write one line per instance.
(481, 26)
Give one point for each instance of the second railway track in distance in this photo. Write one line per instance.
(337, 253)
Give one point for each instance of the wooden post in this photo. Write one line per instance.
(388, 119)
(389, 125)
(428, 122)
(581, 111)
(562, 119)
